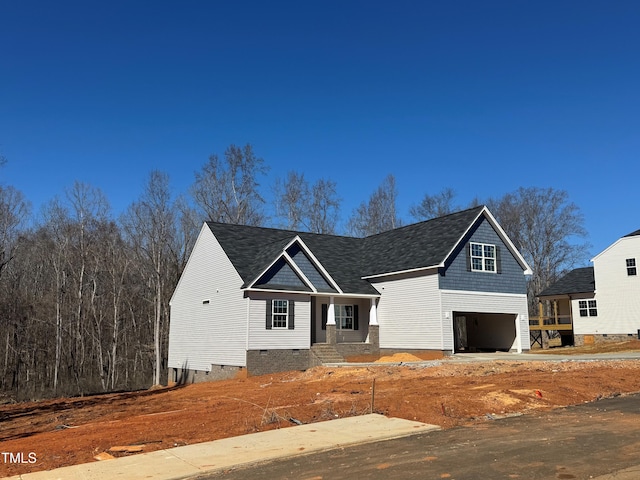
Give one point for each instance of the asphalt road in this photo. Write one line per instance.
(582, 442)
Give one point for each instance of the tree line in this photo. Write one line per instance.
(84, 294)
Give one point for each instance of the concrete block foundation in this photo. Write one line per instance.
(261, 362)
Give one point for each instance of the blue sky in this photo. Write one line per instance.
(482, 97)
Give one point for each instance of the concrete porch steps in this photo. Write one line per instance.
(326, 353)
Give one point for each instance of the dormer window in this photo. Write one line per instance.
(631, 266)
(483, 257)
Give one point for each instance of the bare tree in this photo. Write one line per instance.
(55, 234)
(314, 209)
(82, 307)
(379, 213)
(227, 190)
(188, 228)
(546, 228)
(324, 209)
(89, 208)
(292, 200)
(150, 224)
(14, 210)
(433, 206)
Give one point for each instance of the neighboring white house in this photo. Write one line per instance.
(603, 301)
(267, 300)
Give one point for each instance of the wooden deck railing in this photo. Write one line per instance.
(558, 322)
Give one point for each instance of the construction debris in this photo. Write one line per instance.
(127, 449)
(104, 456)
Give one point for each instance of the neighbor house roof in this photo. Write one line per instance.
(348, 259)
(580, 280)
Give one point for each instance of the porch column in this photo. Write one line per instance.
(519, 334)
(373, 337)
(373, 313)
(331, 323)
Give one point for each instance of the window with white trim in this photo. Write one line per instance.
(631, 267)
(588, 308)
(279, 313)
(344, 317)
(483, 257)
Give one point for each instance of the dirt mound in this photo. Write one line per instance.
(399, 358)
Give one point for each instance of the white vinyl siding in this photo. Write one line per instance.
(261, 338)
(617, 293)
(208, 312)
(481, 302)
(409, 312)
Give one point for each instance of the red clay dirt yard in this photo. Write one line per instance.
(77, 430)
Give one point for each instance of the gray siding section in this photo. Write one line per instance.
(457, 277)
(281, 274)
(311, 272)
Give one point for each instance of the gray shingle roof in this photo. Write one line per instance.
(348, 259)
(419, 245)
(252, 249)
(633, 234)
(580, 280)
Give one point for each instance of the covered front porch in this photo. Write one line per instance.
(346, 324)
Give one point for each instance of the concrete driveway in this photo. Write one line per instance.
(600, 440)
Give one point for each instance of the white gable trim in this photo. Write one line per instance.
(195, 245)
(274, 290)
(289, 262)
(620, 240)
(432, 268)
(501, 233)
(315, 262)
(316, 294)
(295, 267)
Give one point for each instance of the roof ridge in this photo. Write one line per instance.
(276, 229)
(421, 222)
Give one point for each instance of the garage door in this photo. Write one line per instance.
(484, 332)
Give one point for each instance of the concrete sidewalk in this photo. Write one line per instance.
(193, 460)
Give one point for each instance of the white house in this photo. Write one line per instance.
(267, 300)
(603, 301)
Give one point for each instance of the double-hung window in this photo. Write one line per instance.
(631, 266)
(344, 317)
(588, 308)
(280, 313)
(483, 257)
